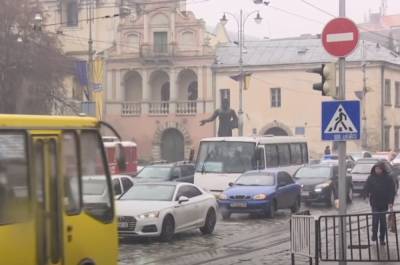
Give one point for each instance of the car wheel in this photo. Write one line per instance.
(270, 213)
(209, 224)
(350, 195)
(331, 200)
(296, 206)
(225, 214)
(168, 229)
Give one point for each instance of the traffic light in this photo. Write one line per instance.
(328, 79)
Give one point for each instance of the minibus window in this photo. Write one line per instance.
(54, 205)
(14, 191)
(96, 204)
(71, 174)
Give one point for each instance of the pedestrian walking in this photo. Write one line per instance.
(327, 150)
(380, 189)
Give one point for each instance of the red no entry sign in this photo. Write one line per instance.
(340, 37)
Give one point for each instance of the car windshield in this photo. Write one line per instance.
(356, 156)
(93, 186)
(149, 193)
(154, 172)
(226, 157)
(313, 172)
(362, 168)
(256, 179)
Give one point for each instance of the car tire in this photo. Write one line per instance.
(225, 214)
(168, 229)
(350, 195)
(331, 200)
(270, 213)
(209, 224)
(296, 206)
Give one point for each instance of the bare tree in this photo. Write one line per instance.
(32, 65)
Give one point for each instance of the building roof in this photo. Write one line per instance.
(296, 51)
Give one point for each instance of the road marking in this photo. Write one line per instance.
(339, 37)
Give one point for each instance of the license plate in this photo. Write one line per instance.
(123, 225)
(238, 205)
(305, 193)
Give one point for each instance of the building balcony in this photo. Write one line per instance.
(159, 108)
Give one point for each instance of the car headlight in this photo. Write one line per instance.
(322, 186)
(222, 196)
(149, 215)
(260, 197)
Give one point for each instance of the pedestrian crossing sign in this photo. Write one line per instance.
(341, 120)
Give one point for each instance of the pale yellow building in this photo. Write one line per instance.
(280, 99)
(71, 21)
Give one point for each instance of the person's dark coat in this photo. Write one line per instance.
(380, 189)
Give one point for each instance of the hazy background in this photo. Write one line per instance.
(277, 23)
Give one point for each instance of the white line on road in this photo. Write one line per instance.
(338, 37)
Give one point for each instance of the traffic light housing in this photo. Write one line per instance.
(328, 79)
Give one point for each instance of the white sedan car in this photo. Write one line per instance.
(163, 209)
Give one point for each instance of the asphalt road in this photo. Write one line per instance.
(240, 240)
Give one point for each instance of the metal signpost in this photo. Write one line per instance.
(339, 38)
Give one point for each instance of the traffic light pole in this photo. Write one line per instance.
(342, 154)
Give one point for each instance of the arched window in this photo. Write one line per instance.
(192, 91)
(72, 13)
(132, 43)
(165, 94)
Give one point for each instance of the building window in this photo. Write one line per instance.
(300, 131)
(72, 13)
(276, 97)
(386, 140)
(387, 93)
(397, 93)
(397, 139)
(161, 42)
(77, 90)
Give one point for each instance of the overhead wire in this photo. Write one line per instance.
(359, 26)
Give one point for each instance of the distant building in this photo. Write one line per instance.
(280, 99)
(159, 80)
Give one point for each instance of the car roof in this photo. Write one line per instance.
(371, 160)
(325, 164)
(161, 183)
(273, 171)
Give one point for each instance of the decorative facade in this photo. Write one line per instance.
(159, 80)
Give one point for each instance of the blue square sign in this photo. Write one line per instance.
(341, 120)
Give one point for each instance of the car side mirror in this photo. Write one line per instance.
(183, 199)
(230, 184)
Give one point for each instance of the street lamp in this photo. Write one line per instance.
(241, 22)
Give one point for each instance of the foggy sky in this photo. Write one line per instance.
(277, 24)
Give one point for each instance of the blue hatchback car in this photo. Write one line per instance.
(262, 192)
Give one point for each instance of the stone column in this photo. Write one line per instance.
(146, 93)
(119, 85)
(146, 28)
(109, 86)
(200, 89)
(173, 90)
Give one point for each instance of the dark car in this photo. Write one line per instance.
(262, 192)
(362, 170)
(320, 183)
(335, 159)
(179, 171)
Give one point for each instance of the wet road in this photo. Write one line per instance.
(240, 240)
